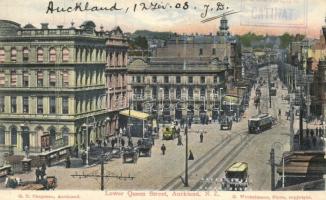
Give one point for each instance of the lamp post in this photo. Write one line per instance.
(186, 159)
(87, 126)
(221, 99)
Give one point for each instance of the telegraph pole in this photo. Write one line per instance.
(102, 175)
(272, 160)
(186, 163)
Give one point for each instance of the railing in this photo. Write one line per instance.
(55, 155)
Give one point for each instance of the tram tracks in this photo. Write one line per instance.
(221, 165)
(175, 183)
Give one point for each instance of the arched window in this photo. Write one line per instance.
(2, 135)
(65, 136)
(2, 55)
(25, 54)
(13, 55)
(53, 55)
(40, 55)
(65, 55)
(13, 133)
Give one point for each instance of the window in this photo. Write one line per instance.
(52, 105)
(65, 136)
(2, 78)
(2, 55)
(65, 55)
(25, 54)
(190, 79)
(25, 105)
(154, 79)
(65, 105)
(178, 93)
(52, 79)
(65, 79)
(202, 79)
(215, 79)
(2, 135)
(39, 105)
(200, 51)
(53, 55)
(213, 51)
(40, 55)
(13, 78)
(190, 92)
(138, 79)
(13, 104)
(2, 104)
(154, 92)
(13, 133)
(202, 92)
(178, 79)
(39, 79)
(166, 79)
(13, 55)
(166, 93)
(25, 78)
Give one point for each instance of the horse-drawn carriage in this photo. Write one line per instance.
(130, 154)
(145, 146)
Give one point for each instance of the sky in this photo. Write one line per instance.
(272, 17)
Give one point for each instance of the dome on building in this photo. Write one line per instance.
(29, 26)
(8, 27)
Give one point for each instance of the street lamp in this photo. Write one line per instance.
(221, 99)
(87, 126)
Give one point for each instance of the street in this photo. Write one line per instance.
(220, 148)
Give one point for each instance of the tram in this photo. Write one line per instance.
(260, 123)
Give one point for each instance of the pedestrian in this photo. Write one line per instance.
(179, 140)
(68, 162)
(122, 142)
(314, 141)
(163, 149)
(139, 142)
(312, 133)
(83, 157)
(279, 112)
(201, 137)
(320, 132)
(191, 155)
(43, 173)
(112, 143)
(307, 132)
(37, 174)
(130, 144)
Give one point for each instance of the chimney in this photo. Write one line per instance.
(60, 27)
(45, 25)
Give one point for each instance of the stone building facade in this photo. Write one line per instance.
(53, 81)
(174, 89)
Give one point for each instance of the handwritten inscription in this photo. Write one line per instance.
(204, 9)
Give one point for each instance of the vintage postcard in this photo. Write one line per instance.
(163, 99)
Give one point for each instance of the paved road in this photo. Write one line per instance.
(219, 150)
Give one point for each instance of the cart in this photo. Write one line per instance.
(145, 147)
(130, 154)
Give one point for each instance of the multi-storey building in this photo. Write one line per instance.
(53, 82)
(174, 88)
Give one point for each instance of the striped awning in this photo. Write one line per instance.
(135, 114)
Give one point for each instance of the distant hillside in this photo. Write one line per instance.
(152, 34)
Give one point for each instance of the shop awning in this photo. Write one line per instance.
(231, 99)
(135, 114)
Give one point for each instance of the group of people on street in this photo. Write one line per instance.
(40, 173)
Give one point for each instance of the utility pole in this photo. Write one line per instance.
(272, 160)
(102, 175)
(186, 163)
(269, 87)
